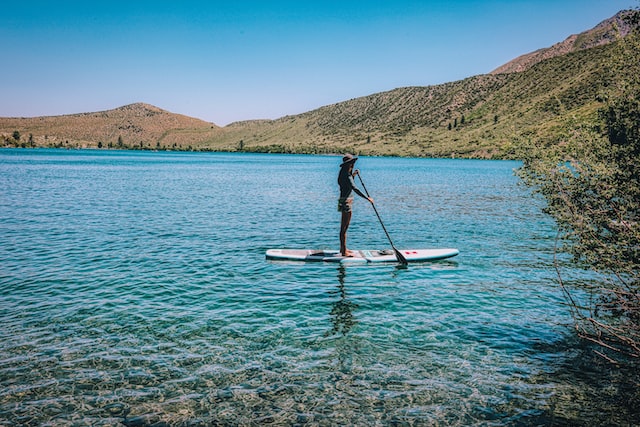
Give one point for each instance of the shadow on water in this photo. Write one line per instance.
(585, 389)
(342, 318)
(342, 307)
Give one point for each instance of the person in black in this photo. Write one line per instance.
(347, 186)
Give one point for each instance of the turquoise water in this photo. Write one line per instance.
(134, 288)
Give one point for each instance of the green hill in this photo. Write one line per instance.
(540, 96)
(486, 116)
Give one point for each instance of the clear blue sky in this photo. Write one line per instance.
(223, 61)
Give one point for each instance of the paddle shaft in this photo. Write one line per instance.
(399, 255)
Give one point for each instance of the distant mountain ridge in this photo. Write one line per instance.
(606, 32)
(533, 96)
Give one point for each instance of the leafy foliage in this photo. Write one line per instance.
(591, 182)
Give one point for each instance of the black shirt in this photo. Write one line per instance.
(347, 185)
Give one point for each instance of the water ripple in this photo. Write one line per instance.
(134, 290)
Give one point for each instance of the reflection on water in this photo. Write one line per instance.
(342, 309)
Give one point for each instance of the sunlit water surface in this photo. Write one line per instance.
(134, 289)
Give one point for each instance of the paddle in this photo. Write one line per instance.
(400, 257)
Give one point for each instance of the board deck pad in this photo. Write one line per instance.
(388, 255)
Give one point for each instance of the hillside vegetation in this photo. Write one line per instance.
(537, 96)
(486, 116)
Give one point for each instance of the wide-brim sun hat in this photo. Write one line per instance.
(348, 159)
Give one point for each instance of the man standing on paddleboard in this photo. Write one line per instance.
(347, 186)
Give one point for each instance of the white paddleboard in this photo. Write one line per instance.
(412, 255)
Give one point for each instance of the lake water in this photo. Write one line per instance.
(134, 289)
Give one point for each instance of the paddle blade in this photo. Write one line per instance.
(400, 257)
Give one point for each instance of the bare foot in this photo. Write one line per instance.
(348, 254)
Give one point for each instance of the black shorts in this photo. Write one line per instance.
(344, 204)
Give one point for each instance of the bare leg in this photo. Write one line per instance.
(344, 225)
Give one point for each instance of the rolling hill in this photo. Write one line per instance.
(541, 95)
(134, 126)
